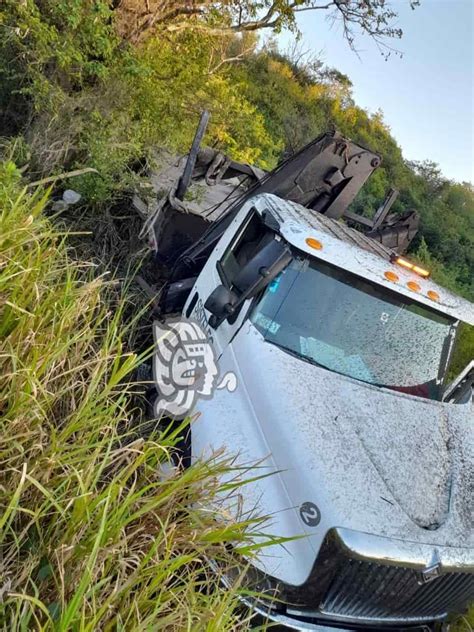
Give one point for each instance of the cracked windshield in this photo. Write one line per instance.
(373, 335)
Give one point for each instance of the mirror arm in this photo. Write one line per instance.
(267, 275)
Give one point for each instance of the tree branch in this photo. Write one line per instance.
(315, 8)
(373, 17)
(230, 60)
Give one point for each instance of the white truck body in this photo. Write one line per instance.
(380, 479)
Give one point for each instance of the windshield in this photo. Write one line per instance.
(344, 324)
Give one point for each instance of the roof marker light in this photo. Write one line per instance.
(314, 243)
(410, 266)
(434, 296)
(391, 276)
(413, 286)
(421, 271)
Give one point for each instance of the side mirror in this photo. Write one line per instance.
(221, 303)
(256, 274)
(262, 268)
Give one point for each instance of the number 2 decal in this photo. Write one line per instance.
(310, 514)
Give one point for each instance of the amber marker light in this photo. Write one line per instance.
(421, 271)
(413, 286)
(434, 296)
(404, 263)
(408, 265)
(314, 243)
(391, 276)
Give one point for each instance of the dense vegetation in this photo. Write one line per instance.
(91, 539)
(97, 530)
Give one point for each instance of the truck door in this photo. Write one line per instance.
(243, 238)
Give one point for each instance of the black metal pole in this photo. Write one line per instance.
(185, 179)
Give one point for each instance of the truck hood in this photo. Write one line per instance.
(375, 459)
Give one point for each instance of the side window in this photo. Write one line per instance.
(246, 244)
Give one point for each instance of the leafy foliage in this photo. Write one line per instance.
(141, 18)
(90, 100)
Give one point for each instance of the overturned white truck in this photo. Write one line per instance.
(340, 348)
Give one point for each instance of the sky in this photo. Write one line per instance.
(427, 95)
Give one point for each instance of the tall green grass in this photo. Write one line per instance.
(93, 536)
(464, 623)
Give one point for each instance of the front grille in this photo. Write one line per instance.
(366, 590)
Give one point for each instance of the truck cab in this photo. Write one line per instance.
(340, 350)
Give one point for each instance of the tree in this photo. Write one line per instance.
(138, 19)
(431, 174)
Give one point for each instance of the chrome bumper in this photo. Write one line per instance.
(288, 622)
(291, 623)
